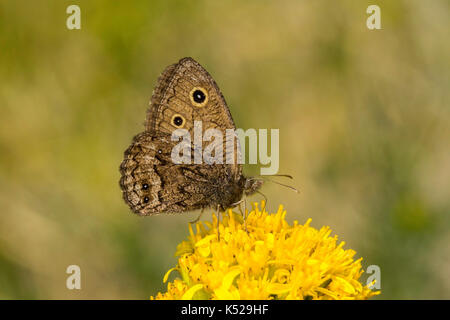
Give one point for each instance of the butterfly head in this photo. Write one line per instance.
(252, 185)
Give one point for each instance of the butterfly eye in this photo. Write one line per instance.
(178, 121)
(145, 186)
(146, 199)
(199, 97)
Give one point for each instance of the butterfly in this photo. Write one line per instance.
(151, 182)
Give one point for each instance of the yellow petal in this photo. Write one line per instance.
(166, 276)
(345, 285)
(278, 288)
(183, 248)
(223, 294)
(229, 278)
(204, 245)
(190, 293)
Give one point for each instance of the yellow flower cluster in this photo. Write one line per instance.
(264, 258)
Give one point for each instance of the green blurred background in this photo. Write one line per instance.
(364, 123)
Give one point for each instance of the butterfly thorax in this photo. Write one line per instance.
(252, 185)
(229, 193)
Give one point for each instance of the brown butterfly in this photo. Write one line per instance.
(150, 181)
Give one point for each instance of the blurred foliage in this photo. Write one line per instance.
(364, 124)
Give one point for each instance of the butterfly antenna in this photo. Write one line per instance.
(278, 175)
(281, 184)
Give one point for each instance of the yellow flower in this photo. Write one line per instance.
(264, 258)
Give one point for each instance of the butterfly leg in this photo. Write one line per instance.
(236, 204)
(245, 214)
(198, 218)
(240, 210)
(218, 222)
(265, 200)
